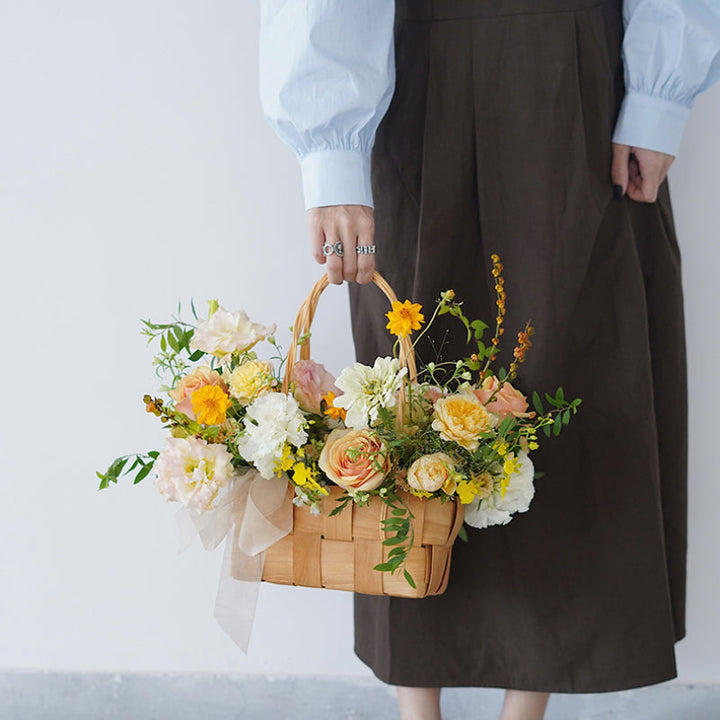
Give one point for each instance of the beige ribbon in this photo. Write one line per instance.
(251, 517)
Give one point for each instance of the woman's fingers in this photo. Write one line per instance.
(619, 171)
(350, 226)
(639, 171)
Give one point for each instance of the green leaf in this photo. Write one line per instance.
(557, 425)
(502, 374)
(196, 356)
(398, 511)
(395, 540)
(397, 551)
(163, 343)
(142, 474)
(566, 417)
(551, 400)
(537, 403)
(172, 341)
(383, 567)
(462, 533)
(154, 454)
(547, 429)
(560, 394)
(538, 475)
(409, 579)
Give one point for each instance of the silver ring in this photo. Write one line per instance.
(337, 248)
(365, 249)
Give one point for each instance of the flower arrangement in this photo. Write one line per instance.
(450, 430)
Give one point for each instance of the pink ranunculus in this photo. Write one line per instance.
(312, 381)
(433, 393)
(193, 381)
(507, 401)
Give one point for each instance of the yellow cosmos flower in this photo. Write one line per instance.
(210, 403)
(331, 411)
(404, 318)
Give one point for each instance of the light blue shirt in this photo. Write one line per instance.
(327, 76)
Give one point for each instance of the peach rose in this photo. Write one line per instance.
(431, 472)
(355, 459)
(312, 381)
(250, 380)
(199, 377)
(507, 401)
(462, 418)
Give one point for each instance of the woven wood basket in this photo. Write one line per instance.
(340, 552)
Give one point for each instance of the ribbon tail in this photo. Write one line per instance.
(237, 598)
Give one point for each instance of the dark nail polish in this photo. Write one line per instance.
(618, 191)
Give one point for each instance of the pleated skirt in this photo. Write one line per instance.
(498, 140)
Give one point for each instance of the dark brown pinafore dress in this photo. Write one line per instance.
(498, 140)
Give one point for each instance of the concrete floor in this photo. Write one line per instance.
(89, 696)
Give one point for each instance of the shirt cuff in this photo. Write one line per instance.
(336, 177)
(651, 122)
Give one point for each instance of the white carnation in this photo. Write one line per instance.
(192, 471)
(367, 389)
(226, 332)
(497, 510)
(278, 420)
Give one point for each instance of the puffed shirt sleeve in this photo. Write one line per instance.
(327, 76)
(671, 53)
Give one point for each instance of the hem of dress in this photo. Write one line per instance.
(489, 682)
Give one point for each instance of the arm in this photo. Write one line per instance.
(671, 53)
(327, 75)
(671, 50)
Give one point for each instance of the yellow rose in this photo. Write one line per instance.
(431, 472)
(355, 459)
(250, 380)
(461, 418)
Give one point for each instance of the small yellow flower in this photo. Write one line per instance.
(331, 411)
(511, 465)
(501, 446)
(404, 318)
(285, 462)
(465, 492)
(301, 473)
(533, 445)
(210, 403)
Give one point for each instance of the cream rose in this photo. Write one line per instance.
(462, 418)
(199, 377)
(507, 401)
(431, 472)
(250, 380)
(355, 459)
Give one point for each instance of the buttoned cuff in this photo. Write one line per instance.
(651, 122)
(336, 177)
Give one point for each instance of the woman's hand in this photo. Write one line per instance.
(639, 172)
(352, 225)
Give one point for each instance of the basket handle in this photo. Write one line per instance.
(304, 319)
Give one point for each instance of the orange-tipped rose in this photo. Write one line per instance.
(508, 400)
(355, 459)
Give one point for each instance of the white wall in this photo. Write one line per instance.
(136, 170)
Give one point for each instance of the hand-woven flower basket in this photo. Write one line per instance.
(340, 552)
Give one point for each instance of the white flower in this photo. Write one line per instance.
(226, 332)
(192, 471)
(278, 420)
(498, 510)
(366, 389)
